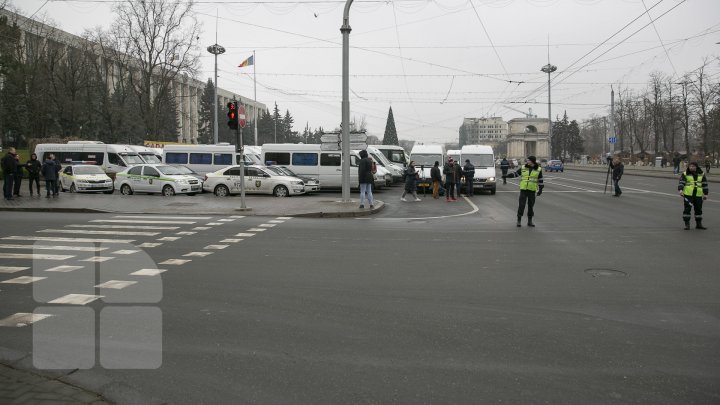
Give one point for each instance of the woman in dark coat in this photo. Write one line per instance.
(411, 175)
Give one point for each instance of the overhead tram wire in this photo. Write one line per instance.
(660, 39)
(402, 61)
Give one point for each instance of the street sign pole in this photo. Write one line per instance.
(345, 30)
(241, 125)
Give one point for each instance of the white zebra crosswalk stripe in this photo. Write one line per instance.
(123, 233)
(78, 240)
(201, 228)
(275, 221)
(149, 245)
(198, 254)
(268, 225)
(214, 223)
(37, 246)
(237, 216)
(116, 284)
(216, 247)
(226, 220)
(12, 269)
(244, 234)
(256, 230)
(160, 217)
(135, 221)
(22, 319)
(186, 233)
(23, 280)
(147, 227)
(126, 252)
(169, 238)
(76, 299)
(175, 262)
(284, 218)
(98, 259)
(64, 268)
(35, 256)
(231, 240)
(148, 272)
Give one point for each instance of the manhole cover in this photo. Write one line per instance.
(605, 273)
(181, 204)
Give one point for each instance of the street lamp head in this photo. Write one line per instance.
(549, 68)
(216, 49)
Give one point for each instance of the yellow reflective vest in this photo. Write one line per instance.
(692, 184)
(529, 178)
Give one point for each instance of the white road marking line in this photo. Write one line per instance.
(97, 259)
(169, 238)
(226, 220)
(125, 252)
(237, 216)
(199, 254)
(268, 225)
(23, 280)
(214, 223)
(148, 272)
(186, 233)
(78, 240)
(133, 221)
(11, 269)
(176, 262)
(22, 319)
(64, 269)
(201, 228)
(149, 244)
(159, 217)
(283, 218)
(116, 284)
(231, 240)
(245, 235)
(76, 299)
(84, 232)
(34, 256)
(474, 210)
(256, 229)
(161, 228)
(275, 221)
(217, 247)
(51, 247)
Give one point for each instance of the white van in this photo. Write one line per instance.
(203, 159)
(483, 158)
(149, 155)
(395, 154)
(454, 154)
(425, 157)
(396, 170)
(309, 160)
(111, 158)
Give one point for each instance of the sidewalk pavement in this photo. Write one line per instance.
(314, 205)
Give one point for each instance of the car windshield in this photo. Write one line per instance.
(150, 158)
(183, 169)
(169, 170)
(287, 170)
(277, 170)
(88, 170)
(484, 160)
(425, 159)
(132, 159)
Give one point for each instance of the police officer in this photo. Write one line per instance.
(504, 166)
(531, 181)
(693, 188)
(469, 173)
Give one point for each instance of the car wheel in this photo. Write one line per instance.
(125, 189)
(222, 190)
(73, 189)
(168, 191)
(281, 191)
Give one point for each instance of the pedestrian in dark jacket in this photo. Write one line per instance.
(366, 179)
(9, 166)
(469, 173)
(411, 176)
(58, 167)
(531, 181)
(693, 187)
(617, 171)
(19, 172)
(676, 164)
(449, 172)
(33, 167)
(50, 175)
(504, 167)
(436, 178)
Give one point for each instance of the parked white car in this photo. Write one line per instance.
(90, 178)
(311, 183)
(258, 180)
(156, 178)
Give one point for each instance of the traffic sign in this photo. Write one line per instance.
(241, 116)
(612, 139)
(330, 138)
(358, 138)
(330, 146)
(358, 145)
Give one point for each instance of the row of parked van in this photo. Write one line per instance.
(481, 156)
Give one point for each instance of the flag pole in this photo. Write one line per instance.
(255, 99)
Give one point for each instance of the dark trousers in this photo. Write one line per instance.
(469, 186)
(18, 183)
(526, 197)
(8, 185)
(34, 178)
(616, 183)
(449, 190)
(50, 186)
(691, 203)
(504, 176)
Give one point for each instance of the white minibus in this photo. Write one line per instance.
(111, 158)
(483, 158)
(425, 157)
(395, 154)
(203, 159)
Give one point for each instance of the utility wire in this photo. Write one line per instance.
(660, 39)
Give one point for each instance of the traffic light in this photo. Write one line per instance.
(232, 115)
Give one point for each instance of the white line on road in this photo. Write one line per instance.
(116, 284)
(149, 227)
(231, 240)
(201, 228)
(186, 233)
(78, 240)
(51, 247)
(23, 280)
(97, 259)
(133, 221)
(22, 319)
(76, 299)
(85, 232)
(176, 262)
(149, 244)
(169, 238)
(216, 247)
(245, 234)
(198, 254)
(256, 230)
(64, 269)
(34, 256)
(148, 272)
(12, 269)
(474, 210)
(159, 217)
(126, 252)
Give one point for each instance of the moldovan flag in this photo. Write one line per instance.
(247, 62)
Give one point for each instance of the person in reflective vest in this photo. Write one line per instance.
(693, 188)
(531, 182)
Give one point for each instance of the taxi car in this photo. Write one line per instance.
(311, 183)
(85, 178)
(156, 178)
(258, 180)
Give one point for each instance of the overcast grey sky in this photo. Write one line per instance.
(438, 61)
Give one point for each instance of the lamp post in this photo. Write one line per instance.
(549, 69)
(345, 106)
(215, 50)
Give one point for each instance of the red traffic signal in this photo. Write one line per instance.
(232, 115)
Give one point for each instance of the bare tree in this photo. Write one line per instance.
(703, 97)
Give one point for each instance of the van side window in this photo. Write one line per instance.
(176, 158)
(200, 158)
(222, 159)
(135, 170)
(330, 159)
(305, 159)
(114, 159)
(279, 158)
(97, 157)
(353, 161)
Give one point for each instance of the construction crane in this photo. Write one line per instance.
(528, 114)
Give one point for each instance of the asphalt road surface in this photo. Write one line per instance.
(606, 301)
